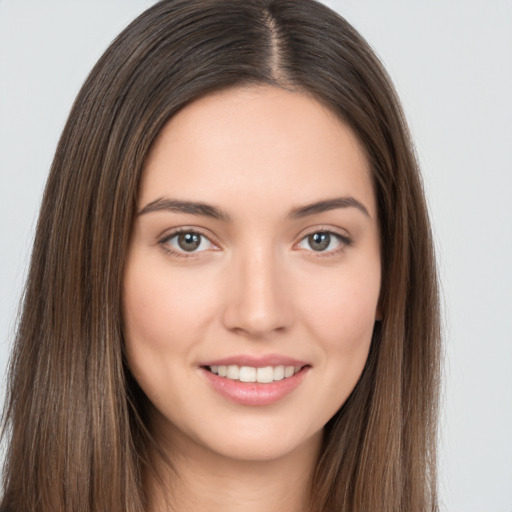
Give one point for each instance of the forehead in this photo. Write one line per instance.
(262, 143)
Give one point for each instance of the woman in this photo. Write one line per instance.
(232, 298)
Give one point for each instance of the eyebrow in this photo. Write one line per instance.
(326, 205)
(207, 210)
(194, 208)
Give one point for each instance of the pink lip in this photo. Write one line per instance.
(255, 361)
(254, 393)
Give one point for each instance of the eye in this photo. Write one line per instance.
(324, 241)
(186, 241)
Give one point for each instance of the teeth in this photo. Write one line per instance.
(247, 374)
(279, 373)
(233, 372)
(263, 375)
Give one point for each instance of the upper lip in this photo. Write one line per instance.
(256, 361)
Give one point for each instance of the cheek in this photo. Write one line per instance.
(342, 309)
(147, 303)
(340, 316)
(161, 306)
(163, 313)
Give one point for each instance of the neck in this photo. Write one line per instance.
(203, 481)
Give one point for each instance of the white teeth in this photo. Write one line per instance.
(263, 375)
(279, 373)
(233, 372)
(289, 371)
(247, 374)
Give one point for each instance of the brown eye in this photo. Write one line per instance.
(319, 241)
(326, 242)
(189, 241)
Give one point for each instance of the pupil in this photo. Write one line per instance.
(189, 241)
(319, 241)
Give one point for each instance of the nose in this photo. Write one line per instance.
(257, 298)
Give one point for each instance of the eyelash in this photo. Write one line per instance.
(164, 242)
(344, 242)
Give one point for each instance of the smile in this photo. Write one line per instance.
(255, 385)
(263, 375)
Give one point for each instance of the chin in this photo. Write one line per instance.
(265, 447)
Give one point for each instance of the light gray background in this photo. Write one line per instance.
(452, 65)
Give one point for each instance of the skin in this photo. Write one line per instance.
(254, 286)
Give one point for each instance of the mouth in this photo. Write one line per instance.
(250, 374)
(255, 382)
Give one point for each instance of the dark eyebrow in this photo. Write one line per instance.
(326, 205)
(206, 210)
(173, 205)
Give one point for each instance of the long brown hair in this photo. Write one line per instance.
(75, 418)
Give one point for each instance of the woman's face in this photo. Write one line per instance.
(254, 256)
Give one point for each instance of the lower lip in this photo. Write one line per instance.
(254, 393)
